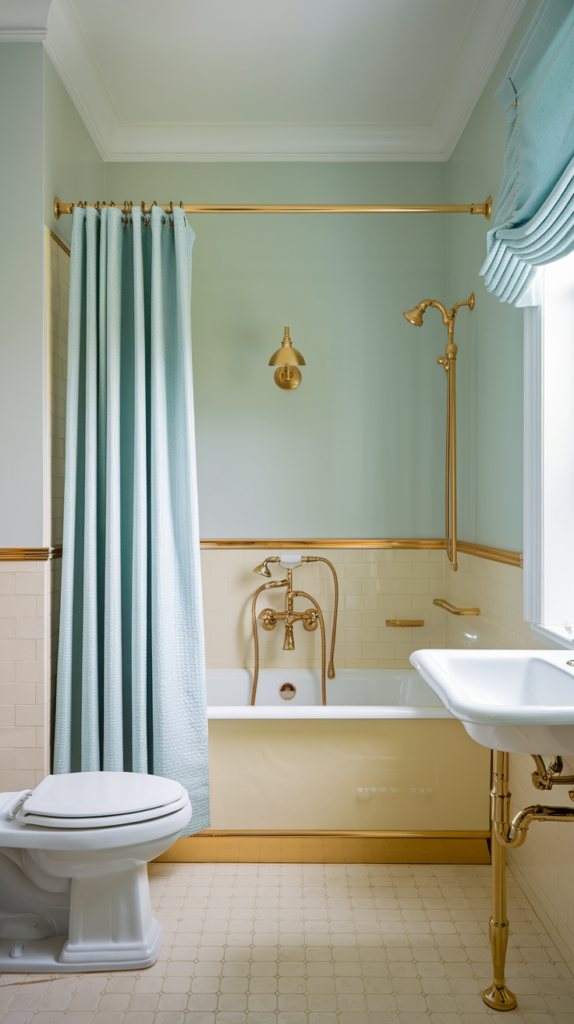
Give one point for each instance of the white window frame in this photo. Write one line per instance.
(549, 460)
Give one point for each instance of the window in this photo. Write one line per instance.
(549, 458)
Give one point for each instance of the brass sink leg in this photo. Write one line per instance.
(498, 996)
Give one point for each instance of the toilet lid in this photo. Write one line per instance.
(100, 799)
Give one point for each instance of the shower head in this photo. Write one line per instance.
(415, 316)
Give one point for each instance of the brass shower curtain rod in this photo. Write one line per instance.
(484, 208)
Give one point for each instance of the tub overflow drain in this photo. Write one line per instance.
(287, 691)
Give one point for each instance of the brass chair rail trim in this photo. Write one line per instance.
(479, 550)
(59, 242)
(30, 554)
(405, 622)
(448, 607)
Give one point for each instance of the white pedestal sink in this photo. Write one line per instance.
(517, 701)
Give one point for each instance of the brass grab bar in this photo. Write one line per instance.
(448, 607)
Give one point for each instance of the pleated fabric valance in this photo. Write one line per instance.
(535, 213)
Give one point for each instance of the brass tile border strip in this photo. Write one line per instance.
(330, 847)
(493, 554)
(30, 554)
(480, 550)
(325, 543)
(59, 242)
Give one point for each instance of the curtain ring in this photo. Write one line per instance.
(170, 206)
(180, 205)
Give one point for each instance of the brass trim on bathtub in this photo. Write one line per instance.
(330, 847)
(30, 554)
(479, 550)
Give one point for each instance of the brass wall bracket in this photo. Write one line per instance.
(448, 607)
(405, 622)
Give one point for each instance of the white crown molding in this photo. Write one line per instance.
(274, 142)
(24, 21)
(490, 26)
(68, 49)
(480, 50)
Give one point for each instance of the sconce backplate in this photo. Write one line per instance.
(287, 377)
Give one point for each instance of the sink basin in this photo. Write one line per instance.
(519, 701)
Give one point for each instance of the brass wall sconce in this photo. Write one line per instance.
(448, 361)
(287, 360)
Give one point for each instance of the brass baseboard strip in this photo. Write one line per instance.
(413, 544)
(30, 554)
(212, 847)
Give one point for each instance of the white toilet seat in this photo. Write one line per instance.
(96, 800)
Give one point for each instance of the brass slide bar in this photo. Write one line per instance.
(476, 208)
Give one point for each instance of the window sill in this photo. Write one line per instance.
(554, 637)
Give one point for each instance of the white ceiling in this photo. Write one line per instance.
(276, 79)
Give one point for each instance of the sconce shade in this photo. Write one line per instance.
(414, 316)
(286, 355)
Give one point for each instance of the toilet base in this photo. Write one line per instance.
(42, 956)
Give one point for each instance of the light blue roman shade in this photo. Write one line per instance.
(535, 213)
(131, 665)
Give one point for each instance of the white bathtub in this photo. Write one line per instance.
(354, 693)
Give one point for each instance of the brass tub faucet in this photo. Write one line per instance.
(311, 617)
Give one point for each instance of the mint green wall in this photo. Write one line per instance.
(490, 340)
(21, 296)
(73, 167)
(358, 449)
(45, 149)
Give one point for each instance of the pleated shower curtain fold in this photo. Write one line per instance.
(131, 664)
(535, 213)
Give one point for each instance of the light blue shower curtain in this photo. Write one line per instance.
(131, 665)
(535, 213)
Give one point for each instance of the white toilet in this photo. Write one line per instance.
(74, 892)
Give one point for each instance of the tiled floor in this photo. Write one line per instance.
(314, 944)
